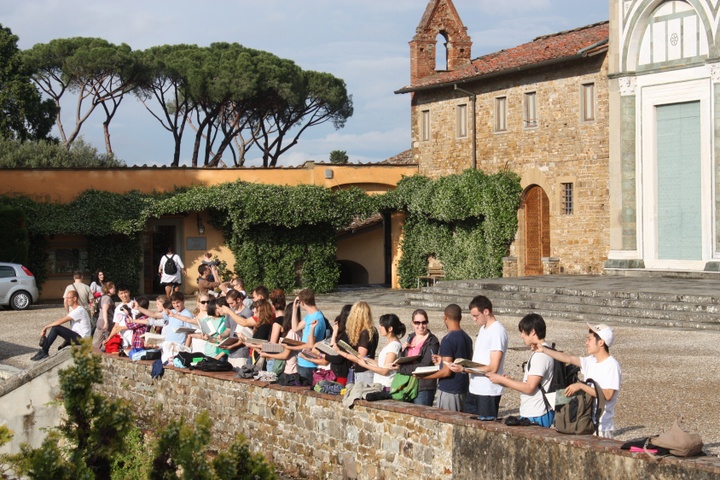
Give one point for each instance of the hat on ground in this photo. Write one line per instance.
(604, 332)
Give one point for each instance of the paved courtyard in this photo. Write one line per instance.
(666, 372)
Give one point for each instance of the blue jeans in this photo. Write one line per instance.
(425, 397)
(544, 420)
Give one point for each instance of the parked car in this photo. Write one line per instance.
(17, 286)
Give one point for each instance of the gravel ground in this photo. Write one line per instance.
(667, 373)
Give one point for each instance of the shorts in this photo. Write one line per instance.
(170, 284)
(449, 401)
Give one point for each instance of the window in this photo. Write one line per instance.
(67, 255)
(461, 130)
(529, 110)
(425, 126)
(568, 201)
(501, 114)
(7, 272)
(587, 106)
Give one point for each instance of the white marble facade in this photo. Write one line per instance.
(665, 92)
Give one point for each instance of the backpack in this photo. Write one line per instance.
(577, 416)
(208, 364)
(328, 328)
(404, 387)
(170, 267)
(564, 375)
(186, 359)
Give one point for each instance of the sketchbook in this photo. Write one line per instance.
(406, 360)
(420, 371)
(464, 362)
(291, 342)
(345, 346)
(325, 348)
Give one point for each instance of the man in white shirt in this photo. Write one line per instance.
(172, 279)
(599, 366)
(79, 326)
(538, 371)
(490, 347)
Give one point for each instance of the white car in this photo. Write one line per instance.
(17, 286)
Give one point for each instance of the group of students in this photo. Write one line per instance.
(479, 390)
(264, 315)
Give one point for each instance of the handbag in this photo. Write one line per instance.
(679, 442)
(323, 374)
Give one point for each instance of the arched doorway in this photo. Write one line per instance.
(537, 229)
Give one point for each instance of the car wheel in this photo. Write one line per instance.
(20, 301)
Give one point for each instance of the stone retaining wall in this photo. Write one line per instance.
(309, 435)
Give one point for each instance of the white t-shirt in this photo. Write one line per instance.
(539, 365)
(177, 278)
(608, 376)
(80, 322)
(489, 339)
(386, 380)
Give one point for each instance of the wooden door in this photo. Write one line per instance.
(537, 229)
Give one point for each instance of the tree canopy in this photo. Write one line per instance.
(23, 113)
(233, 98)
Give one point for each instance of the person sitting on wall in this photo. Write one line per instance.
(79, 327)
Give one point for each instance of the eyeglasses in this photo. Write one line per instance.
(204, 302)
(424, 322)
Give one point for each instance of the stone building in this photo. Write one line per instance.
(540, 110)
(664, 135)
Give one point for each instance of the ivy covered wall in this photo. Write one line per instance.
(285, 236)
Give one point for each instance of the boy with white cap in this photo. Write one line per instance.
(600, 366)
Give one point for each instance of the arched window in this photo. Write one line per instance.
(441, 52)
(674, 36)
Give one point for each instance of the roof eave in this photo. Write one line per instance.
(589, 51)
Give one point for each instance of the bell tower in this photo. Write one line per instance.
(440, 20)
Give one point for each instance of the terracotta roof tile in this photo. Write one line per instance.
(554, 47)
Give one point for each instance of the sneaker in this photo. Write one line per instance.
(64, 345)
(40, 356)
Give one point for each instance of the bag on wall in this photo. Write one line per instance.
(404, 387)
(679, 442)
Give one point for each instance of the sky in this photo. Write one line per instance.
(364, 42)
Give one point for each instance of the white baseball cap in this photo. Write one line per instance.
(604, 332)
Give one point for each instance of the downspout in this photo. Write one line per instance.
(473, 127)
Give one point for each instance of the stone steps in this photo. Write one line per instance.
(620, 305)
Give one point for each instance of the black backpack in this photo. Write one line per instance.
(208, 364)
(328, 328)
(170, 267)
(564, 375)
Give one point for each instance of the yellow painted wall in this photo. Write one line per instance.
(56, 185)
(365, 247)
(63, 185)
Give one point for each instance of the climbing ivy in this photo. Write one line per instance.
(285, 236)
(467, 221)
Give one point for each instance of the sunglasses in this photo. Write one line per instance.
(424, 322)
(204, 302)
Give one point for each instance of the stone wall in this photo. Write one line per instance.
(28, 402)
(309, 435)
(561, 149)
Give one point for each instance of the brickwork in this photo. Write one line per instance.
(440, 18)
(561, 149)
(308, 435)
